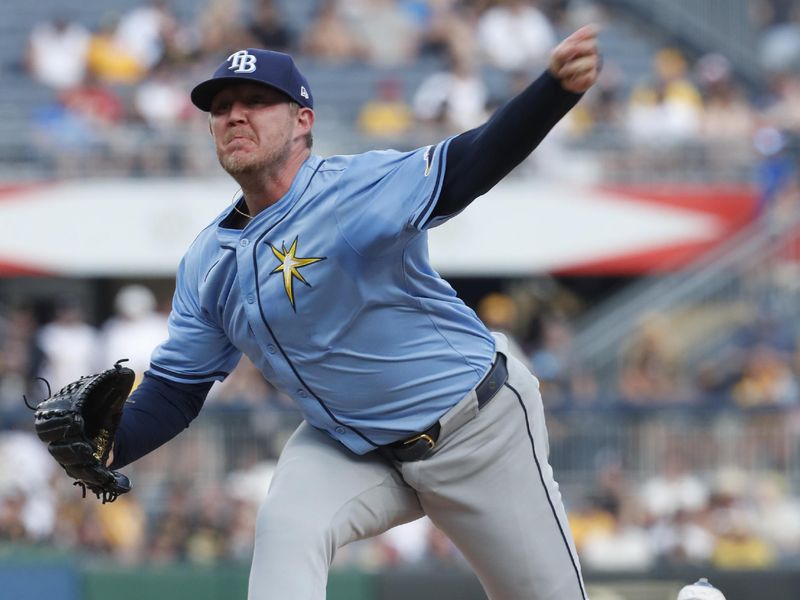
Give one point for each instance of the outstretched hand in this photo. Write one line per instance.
(576, 62)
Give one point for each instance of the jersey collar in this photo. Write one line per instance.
(277, 210)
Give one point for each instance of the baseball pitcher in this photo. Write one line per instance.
(319, 273)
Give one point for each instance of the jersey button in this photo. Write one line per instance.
(271, 349)
(243, 243)
(340, 429)
(302, 393)
(251, 299)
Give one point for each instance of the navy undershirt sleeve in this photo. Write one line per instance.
(156, 412)
(479, 158)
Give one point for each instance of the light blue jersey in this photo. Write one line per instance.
(330, 293)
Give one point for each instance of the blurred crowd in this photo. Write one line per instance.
(121, 89)
(727, 519)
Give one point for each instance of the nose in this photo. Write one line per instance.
(237, 113)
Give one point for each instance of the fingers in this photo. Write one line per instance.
(577, 67)
(584, 33)
(581, 43)
(575, 62)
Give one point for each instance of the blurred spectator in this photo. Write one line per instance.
(592, 519)
(111, 61)
(766, 380)
(626, 547)
(329, 37)
(583, 386)
(83, 129)
(64, 138)
(739, 547)
(649, 371)
(499, 313)
(778, 513)
(134, 331)
(161, 101)
(448, 26)
(728, 118)
(122, 524)
(11, 521)
(386, 116)
(454, 100)
(776, 170)
(388, 34)
(218, 28)
(20, 358)
(551, 361)
(169, 529)
(27, 500)
(141, 32)
(96, 104)
(163, 105)
(266, 28)
(676, 488)
(783, 111)
(515, 35)
(69, 345)
(239, 536)
(57, 53)
(249, 481)
(684, 537)
(610, 500)
(670, 109)
(601, 110)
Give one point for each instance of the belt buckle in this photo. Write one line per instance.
(422, 437)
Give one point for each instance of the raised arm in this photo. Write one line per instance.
(481, 157)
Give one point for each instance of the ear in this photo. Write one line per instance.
(210, 130)
(304, 122)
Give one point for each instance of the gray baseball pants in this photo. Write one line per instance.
(487, 485)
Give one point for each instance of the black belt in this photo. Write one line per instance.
(419, 445)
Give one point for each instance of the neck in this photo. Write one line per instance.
(266, 187)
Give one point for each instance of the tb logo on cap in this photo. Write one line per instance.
(242, 62)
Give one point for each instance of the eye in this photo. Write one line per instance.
(257, 100)
(220, 107)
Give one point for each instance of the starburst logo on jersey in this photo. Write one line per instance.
(290, 265)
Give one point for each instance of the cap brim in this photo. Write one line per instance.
(203, 93)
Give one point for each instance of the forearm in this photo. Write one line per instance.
(479, 158)
(156, 412)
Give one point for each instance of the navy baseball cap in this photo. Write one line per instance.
(274, 69)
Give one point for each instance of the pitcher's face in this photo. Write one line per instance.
(253, 127)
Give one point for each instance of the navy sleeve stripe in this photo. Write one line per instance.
(439, 168)
(171, 373)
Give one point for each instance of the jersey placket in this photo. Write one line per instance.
(250, 249)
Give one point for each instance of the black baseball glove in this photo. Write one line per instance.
(78, 425)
